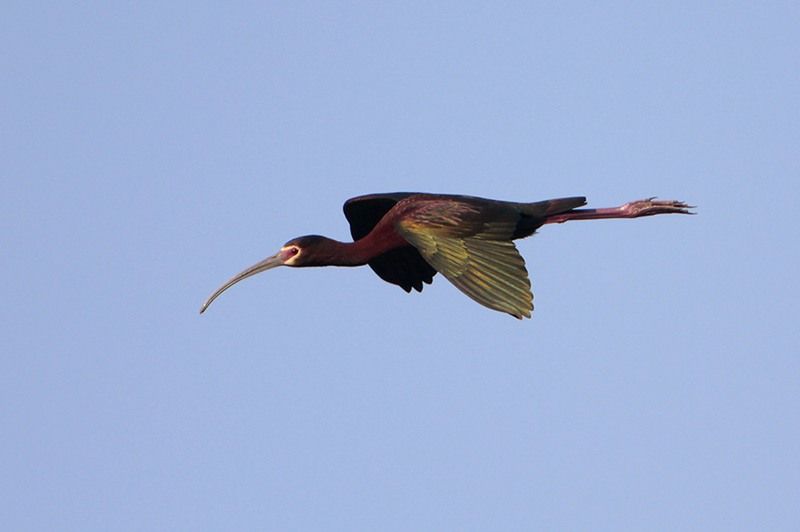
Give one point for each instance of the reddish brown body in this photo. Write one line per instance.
(406, 238)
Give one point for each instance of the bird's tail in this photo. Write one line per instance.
(534, 215)
(543, 209)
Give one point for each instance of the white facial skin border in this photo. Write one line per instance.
(291, 253)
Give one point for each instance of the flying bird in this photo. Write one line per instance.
(407, 237)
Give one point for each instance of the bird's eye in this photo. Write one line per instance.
(294, 251)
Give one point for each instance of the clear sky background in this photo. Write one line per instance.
(151, 151)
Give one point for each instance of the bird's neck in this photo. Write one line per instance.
(364, 250)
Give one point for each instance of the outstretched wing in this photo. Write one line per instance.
(364, 212)
(470, 244)
(403, 266)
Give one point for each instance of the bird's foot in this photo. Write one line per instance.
(653, 206)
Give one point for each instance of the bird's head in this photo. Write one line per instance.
(311, 250)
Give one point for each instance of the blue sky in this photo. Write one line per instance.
(149, 152)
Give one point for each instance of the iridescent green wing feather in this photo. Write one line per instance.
(470, 244)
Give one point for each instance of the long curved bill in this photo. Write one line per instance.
(264, 265)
